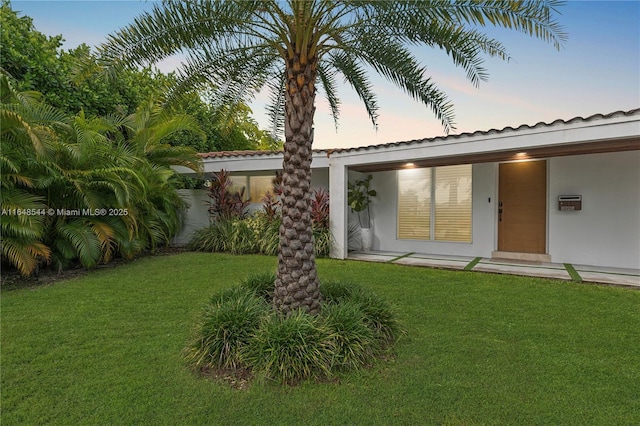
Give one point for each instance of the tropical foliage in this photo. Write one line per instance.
(67, 80)
(86, 189)
(233, 230)
(254, 234)
(359, 198)
(294, 47)
(226, 204)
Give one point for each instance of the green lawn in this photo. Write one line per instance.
(480, 349)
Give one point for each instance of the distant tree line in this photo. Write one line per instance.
(37, 62)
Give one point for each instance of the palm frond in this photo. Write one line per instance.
(24, 255)
(236, 48)
(356, 76)
(85, 242)
(396, 63)
(275, 107)
(328, 83)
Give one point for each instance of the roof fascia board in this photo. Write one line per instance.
(248, 163)
(555, 135)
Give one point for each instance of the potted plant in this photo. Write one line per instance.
(359, 199)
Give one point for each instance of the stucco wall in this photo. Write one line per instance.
(385, 207)
(196, 216)
(320, 178)
(607, 230)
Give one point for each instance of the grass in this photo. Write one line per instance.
(480, 349)
(575, 276)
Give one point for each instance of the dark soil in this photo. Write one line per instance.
(10, 278)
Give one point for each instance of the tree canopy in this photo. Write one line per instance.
(39, 63)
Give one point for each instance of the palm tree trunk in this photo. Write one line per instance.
(296, 284)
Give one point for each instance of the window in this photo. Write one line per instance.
(435, 203)
(414, 204)
(238, 184)
(257, 185)
(453, 203)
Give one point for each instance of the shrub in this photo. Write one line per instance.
(336, 291)
(379, 316)
(214, 238)
(243, 238)
(378, 313)
(265, 233)
(240, 330)
(353, 340)
(261, 284)
(256, 234)
(228, 321)
(225, 203)
(323, 239)
(269, 243)
(270, 206)
(320, 208)
(292, 348)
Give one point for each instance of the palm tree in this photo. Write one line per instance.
(146, 132)
(119, 165)
(28, 140)
(294, 46)
(50, 162)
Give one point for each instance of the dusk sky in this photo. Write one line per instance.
(597, 71)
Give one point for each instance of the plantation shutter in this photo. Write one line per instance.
(414, 204)
(453, 203)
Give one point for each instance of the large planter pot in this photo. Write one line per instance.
(366, 236)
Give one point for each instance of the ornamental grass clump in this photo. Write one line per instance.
(353, 340)
(214, 238)
(288, 349)
(239, 332)
(227, 325)
(378, 313)
(261, 284)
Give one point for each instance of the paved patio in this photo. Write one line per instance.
(593, 274)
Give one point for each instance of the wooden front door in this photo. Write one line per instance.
(522, 207)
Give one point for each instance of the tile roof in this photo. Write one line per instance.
(219, 154)
(540, 124)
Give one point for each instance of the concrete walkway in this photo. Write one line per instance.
(581, 273)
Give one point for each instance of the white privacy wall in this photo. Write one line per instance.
(606, 232)
(385, 213)
(196, 216)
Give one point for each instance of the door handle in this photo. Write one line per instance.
(500, 211)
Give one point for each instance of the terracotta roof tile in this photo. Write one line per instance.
(427, 140)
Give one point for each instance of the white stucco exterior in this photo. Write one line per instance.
(385, 208)
(597, 157)
(196, 215)
(606, 232)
